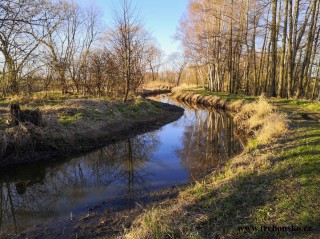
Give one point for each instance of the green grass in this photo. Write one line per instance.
(138, 108)
(132, 110)
(278, 184)
(222, 95)
(252, 144)
(70, 117)
(303, 105)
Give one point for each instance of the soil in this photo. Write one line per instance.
(146, 93)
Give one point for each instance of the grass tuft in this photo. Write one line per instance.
(261, 120)
(67, 118)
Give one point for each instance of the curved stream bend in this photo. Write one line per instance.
(118, 174)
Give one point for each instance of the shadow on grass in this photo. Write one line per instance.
(279, 201)
(250, 207)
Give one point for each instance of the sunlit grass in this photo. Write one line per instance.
(277, 184)
(42, 97)
(222, 95)
(157, 84)
(137, 108)
(67, 118)
(260, 118)
(302, 104)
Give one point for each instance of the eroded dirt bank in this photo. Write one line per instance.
(76, 126)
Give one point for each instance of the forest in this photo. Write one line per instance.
(254, 46)
(235, 46)
(48, 45)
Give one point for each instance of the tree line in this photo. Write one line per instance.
(254, 46)
(47, 45)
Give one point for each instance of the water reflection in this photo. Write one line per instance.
(207, 142)
(118, 174)
(34, 195)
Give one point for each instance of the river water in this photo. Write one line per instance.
(118, 174)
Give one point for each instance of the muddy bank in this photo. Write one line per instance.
(81, 125)
(101, 220)
(209, 100)
(146, 93)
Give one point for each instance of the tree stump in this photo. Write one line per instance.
(17, 115)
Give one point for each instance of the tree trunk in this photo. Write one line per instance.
(289, 50)
(273, 92)
(283, 49)
(306, 60)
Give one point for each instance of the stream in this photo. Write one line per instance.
(120, 173)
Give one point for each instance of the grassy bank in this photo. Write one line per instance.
(269, 191)
(230, 102)
(74, 124)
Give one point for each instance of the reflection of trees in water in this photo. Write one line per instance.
(37, 195)
(208, 142)
(132, 172)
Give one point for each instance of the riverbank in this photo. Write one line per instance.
(269, 191)
(77, 125)
(100, 220)
(157, 151)
(271, 183)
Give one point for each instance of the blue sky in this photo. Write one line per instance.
(160, 17)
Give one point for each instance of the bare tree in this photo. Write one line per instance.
(178, 62)
(87, 34)
(154, 60)
(21, 24)
(282, 53)
(274, 48)
(62, 43)
(126, 41)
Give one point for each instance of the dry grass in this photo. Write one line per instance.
(163, 220)
(19, 139)
(273, 126)
(182, 87)
(191, 97)
(70, 124)
(235, 106)
(214, 207)
(49, 97)
(260, 119)
(158, 85)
